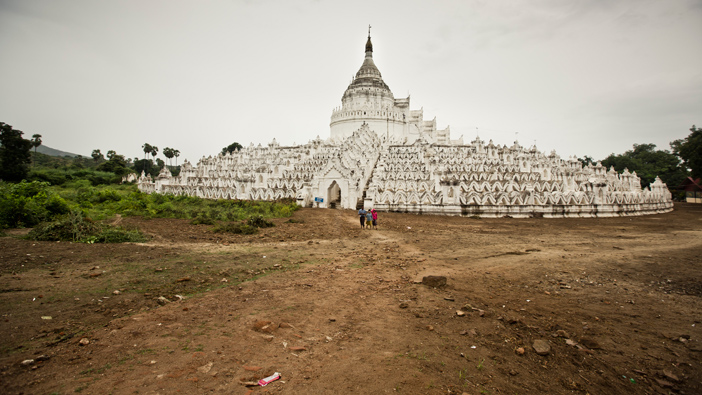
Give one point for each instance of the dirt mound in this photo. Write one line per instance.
(608, 305)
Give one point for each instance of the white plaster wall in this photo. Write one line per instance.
(382, 127)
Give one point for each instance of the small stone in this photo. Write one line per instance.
(541, 347)
(513, 372)
(332, 319)
(162, 301)
(449, 298)
(404, 305)
(84, 341)
(430, 328)
(571, 342)
(561, 333)
(27, 362)
(42, 357)
(434, 281)
(298, 349)
(264, 326)
(460, 313)
(182, 279)
(284, 325)
(670, 375)
(664, 383)
(589, 343)
(519, 350)
(205, 368)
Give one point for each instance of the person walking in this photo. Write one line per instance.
(369, 218)
(362, 217)
(374, 215)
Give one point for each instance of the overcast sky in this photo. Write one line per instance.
(581, 77)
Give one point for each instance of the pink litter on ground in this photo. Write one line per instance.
(269, 379)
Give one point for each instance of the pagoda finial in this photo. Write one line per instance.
(369, 45)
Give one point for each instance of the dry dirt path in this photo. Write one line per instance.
(336, 309)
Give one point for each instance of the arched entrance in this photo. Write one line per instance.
(334, 195)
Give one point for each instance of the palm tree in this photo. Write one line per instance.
(168, 153)
(36, 141)
(154, 151)
(147, 150)
(176, 153)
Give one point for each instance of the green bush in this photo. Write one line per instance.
(28, 203)
(71, 227)
(106, 195)
(77, 228)
(119, 235)
(52, 176)
(202, 218)
(259, 222)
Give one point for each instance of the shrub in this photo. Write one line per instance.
(75, 227)
(71, 227)
(119, 235)
(202, 218)
(52, 176)
(259, 222)
(28, 203)
(105, 195)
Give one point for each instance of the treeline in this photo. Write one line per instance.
(19, 160)
(67, 198)
(673, 167)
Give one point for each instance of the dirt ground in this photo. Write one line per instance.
(612, 306)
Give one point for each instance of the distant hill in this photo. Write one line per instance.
(54, 152)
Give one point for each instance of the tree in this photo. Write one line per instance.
(97, 155)
(15, 154)
(36, 142)
(176, 153)
(689, 150)
(116, 164)
(154, 151)
(147, 150)
(586, 160)
(168, 153)
(231, 148)
(648, 163)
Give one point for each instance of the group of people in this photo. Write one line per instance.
(368, 218)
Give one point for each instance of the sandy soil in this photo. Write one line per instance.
(336, 309)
